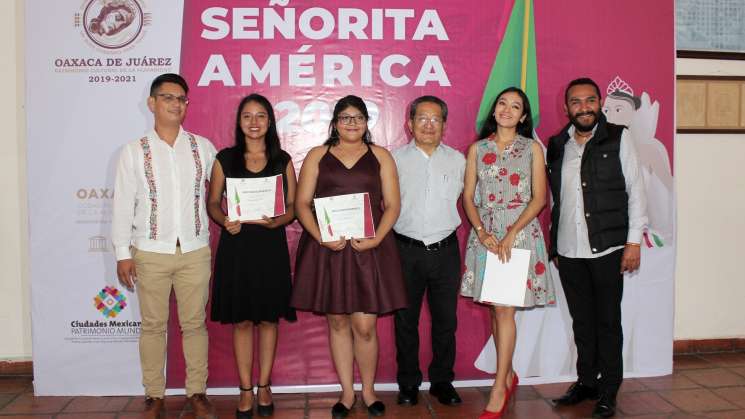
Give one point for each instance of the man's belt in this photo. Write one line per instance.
(447, 241)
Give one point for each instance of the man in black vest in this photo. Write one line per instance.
(597, 222)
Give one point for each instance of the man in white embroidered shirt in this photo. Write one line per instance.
(597, 220)
(431, 180)
(161, 239)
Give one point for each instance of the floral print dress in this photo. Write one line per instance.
(503, 190)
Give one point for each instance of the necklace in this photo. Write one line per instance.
(504, 144)
(255, 160)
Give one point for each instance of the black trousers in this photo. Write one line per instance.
(438, 273)
(593, 288)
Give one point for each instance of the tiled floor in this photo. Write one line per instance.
(702, 386)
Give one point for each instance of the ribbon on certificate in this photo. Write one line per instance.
(237, 202)
(328, 222)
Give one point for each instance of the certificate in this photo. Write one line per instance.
(344, 215)
(506, 283)
(250, 199)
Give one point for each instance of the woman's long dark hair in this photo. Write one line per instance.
(343, 103)
(524, 128)
(273, 150)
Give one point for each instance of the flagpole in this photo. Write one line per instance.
(526, 38)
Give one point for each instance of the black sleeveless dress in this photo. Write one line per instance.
(349, 281)
(252, 268)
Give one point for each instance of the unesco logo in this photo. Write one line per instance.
(110, 302)
(97, 244)
(112, 24)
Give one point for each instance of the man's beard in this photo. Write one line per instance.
(574, 119)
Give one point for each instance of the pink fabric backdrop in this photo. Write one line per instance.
(633, 39)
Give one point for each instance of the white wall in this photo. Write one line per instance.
(15, 322)
(710, 281)
(710, 184)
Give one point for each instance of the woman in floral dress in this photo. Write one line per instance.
(505, 189)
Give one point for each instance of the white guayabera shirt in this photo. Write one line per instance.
(159, 195)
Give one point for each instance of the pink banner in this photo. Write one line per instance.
(306, 55)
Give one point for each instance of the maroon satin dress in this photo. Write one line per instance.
(348, 281)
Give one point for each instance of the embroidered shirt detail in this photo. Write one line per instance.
(197, 183)
(150, 178)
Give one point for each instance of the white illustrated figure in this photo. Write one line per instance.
(640, 115)
(646, 304)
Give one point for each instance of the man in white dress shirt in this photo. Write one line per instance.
(431, 179)
(597, 221)
(161, 239)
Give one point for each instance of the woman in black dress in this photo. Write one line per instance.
(251, 287)
(350, 281)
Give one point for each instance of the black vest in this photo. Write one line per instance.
(603, 186)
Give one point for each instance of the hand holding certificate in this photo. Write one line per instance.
(251, 199)
(506, 282)
(348, 216)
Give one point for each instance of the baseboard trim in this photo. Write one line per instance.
(701, 346)
(16, 368)
(680, 347)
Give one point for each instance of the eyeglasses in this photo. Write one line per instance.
(348, 119)
(169, 98)
(422, 120)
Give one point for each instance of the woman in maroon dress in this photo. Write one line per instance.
(350, 281)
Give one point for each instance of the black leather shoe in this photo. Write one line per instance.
(340, 411)
(376, 409)
(577, 393)
(445, 394)
(408, 395)
(606, 406)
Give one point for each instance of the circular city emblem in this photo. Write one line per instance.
(113, 24)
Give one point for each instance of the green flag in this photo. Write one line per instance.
(515, 64)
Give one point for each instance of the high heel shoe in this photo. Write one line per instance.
(513, 386)
(245, 414)
(264, 409)
(486, 414)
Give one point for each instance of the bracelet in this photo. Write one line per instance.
(479, 228)
(633, 244)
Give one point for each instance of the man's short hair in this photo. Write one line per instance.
(581, 81)
(168, 78)
(428, 99)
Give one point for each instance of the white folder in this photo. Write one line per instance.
(506, 283)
